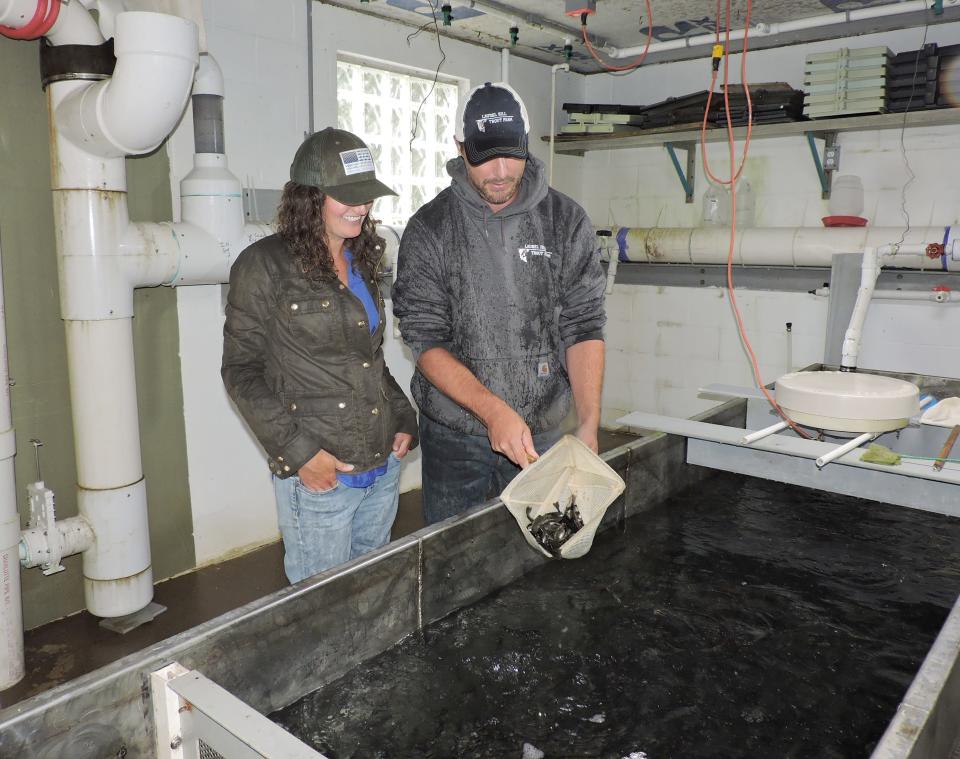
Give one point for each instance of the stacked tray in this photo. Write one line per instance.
(846, 82)
(925, 78)
(773, 102)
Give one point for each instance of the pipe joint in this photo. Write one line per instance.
(135, 110)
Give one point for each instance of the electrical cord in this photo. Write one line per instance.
(903, 147)
(611, 67)
(732, 183)
(436, 74)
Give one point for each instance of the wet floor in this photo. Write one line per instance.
(745, 618)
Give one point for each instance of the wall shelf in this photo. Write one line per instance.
(686, 138)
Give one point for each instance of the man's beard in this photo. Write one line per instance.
(499, 196)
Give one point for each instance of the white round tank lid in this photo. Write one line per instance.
(851, 396)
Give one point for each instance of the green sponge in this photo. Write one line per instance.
(880, 454)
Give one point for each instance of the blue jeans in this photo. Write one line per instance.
(321, 530)
(460, 471)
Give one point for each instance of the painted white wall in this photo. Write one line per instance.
(663, 343)
(264, 62)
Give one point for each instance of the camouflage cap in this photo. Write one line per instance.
(340, 164)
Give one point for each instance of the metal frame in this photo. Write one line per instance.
(194, 716)
(688, 177)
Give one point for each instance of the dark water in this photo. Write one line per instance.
(742, 618)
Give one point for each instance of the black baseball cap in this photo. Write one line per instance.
(492, 121)
(339, 163)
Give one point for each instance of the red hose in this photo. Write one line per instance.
(43, 20)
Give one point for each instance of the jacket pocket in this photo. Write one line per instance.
(330, 421)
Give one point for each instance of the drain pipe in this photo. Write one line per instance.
(869, 271)
(93, 126)
(553, 112)
(11, 617)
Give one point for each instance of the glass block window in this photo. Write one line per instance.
(380, 106)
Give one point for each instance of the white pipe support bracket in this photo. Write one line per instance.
(118, 577)
(133, 112)
(37, 549)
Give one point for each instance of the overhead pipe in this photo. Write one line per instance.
(788, 246)
(764, 30)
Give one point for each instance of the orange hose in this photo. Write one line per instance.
(630, 66)
(732, 182)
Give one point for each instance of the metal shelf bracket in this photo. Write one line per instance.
(824, 167)
(686, 177)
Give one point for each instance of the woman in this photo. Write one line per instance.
(303, 359)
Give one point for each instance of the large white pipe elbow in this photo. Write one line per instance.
(133, 112)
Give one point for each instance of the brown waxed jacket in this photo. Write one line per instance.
(302, 367)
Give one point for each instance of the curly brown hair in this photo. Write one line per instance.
(300, 225)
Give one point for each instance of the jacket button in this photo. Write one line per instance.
(377, 455)
(279, 458)
(374, 410)
(286, 468)
(293, 407)
(366, 364)
(325, 303)
(341, 405)
(294, 306)
(341, 286)
(361, 323)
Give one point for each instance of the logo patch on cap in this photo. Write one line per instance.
(358, 161)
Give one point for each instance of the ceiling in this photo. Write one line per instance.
(543, 26)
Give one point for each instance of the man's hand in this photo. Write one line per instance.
(401, 444)
(588, 434)
(511, 436)
(320, 472)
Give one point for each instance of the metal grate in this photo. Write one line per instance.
(208, 753)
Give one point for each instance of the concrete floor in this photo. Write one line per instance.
(68, 648)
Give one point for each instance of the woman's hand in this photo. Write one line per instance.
(320, 472)
(401, 444)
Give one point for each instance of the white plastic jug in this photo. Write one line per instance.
(846, 196)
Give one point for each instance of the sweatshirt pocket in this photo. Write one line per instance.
(535, 386)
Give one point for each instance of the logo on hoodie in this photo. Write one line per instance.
(533, 251)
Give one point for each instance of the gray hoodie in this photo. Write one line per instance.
(506, 293)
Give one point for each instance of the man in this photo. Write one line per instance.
(499, 293)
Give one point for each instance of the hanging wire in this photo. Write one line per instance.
(903, 147)
(414, 128)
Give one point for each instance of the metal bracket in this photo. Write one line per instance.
(825, 168)
(686, 177)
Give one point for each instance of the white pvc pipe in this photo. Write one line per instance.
(933, 296)
(782, 246)
(505, 65)
(869, 271)
(845, 448)
(102, 257)
(133, 111)
(11, 609)
(773, 29)
(765, 432)
(553, 112)
(75, 26)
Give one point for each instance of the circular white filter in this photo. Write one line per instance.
(847, 401)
